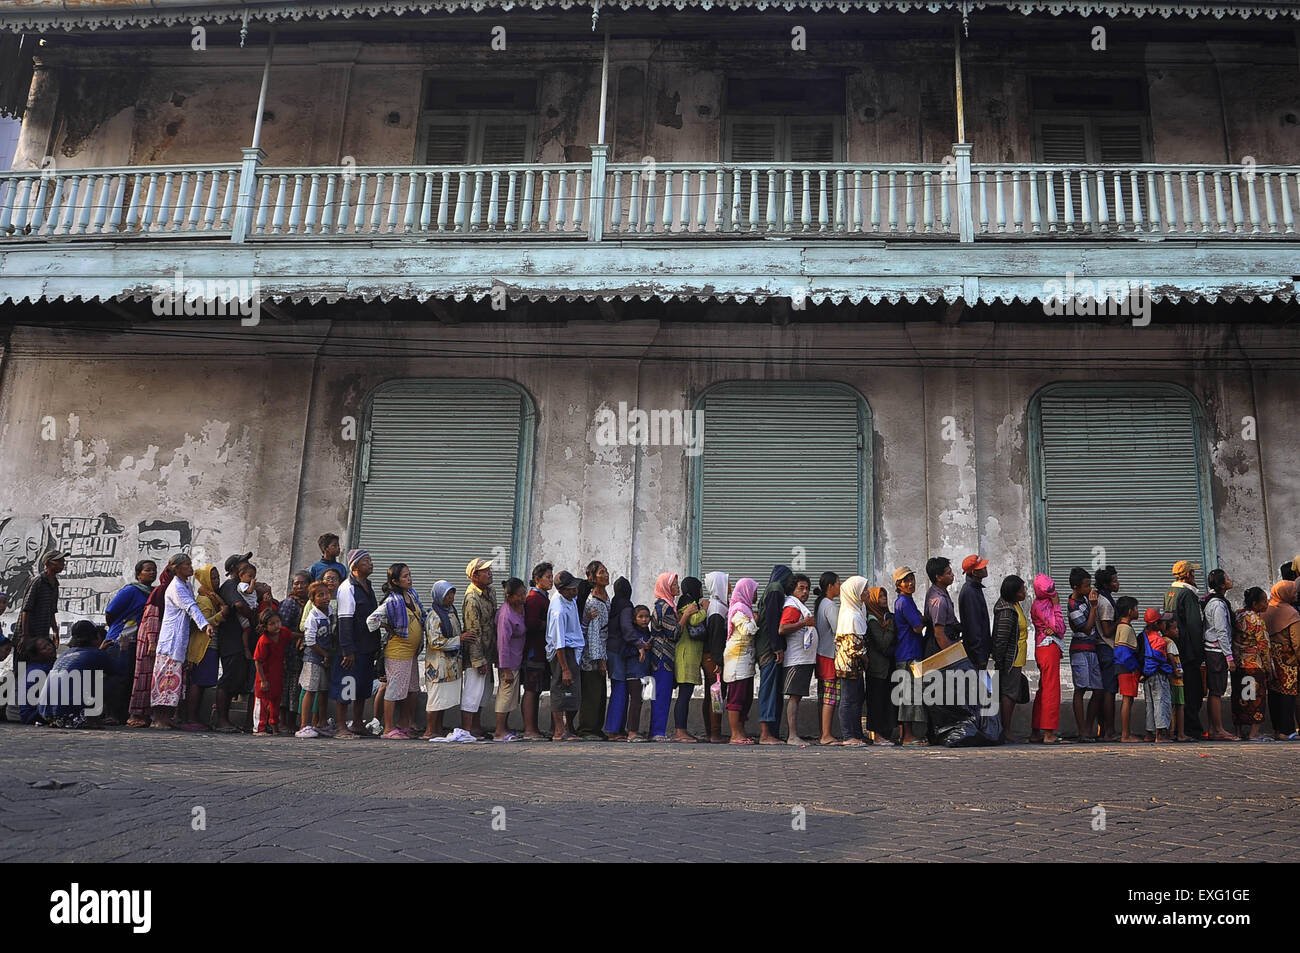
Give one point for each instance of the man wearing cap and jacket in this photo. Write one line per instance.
(977, 631)
(478, 610)
(38, 620)
(1184, 602)
(352, 673)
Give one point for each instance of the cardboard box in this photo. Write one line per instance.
(939, 660)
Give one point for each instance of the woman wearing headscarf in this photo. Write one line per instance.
(1283, 625)
(179, 609)
(623, 686)
(146, 647)
(850, 658)
(770, 650)
(881, 637)
(202, 652)
(1250, 649)
(665, 623)
(403, 618)
(688, 659)
(738, 658)
(593, 610)
(1010, 645)
(442, 662)
(715, 643)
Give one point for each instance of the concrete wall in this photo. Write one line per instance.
(246, 442)
(1208, 101)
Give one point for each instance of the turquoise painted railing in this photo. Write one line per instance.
(595, 201)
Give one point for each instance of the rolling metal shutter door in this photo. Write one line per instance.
(779, 471)
(1122, 473)
(440, 479)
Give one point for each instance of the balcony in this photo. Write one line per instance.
(953, 201)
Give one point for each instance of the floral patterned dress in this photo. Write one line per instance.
(1250, 649)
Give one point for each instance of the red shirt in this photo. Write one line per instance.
(270, 652)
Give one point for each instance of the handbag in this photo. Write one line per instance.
(715, 694)
(647, 689)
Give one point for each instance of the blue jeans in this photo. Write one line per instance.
(769, 695)
(664, 681)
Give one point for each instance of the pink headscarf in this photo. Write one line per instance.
(1046, 610)
(664, 587)
(742, 598)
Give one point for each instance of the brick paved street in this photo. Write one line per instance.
(121, 795)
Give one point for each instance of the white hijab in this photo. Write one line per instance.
(853, 613)
(715, 587)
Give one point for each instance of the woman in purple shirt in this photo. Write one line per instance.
(510, 656)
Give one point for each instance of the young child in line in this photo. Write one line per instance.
(318, 645)
(291, 610)
(1128, 662)
(1155, 677)
(1049, 646)
(269, 659)
(1169, 629)
(1085, 664)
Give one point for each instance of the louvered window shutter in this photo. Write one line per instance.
(449, 144)
(780, 470)
(1122, 474)
(811, 141)
(1064, 143)
(417, 505)
(1121, 143)
(753, 140)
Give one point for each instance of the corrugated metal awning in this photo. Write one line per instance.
(38, 16)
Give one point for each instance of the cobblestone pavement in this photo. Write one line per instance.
(119, 795)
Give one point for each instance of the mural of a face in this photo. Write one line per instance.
(160, 540)
(20, 545)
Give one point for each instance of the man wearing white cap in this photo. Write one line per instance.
(479, 637)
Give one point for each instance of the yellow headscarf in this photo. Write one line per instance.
(209, 604)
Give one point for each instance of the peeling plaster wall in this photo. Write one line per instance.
(139, 441)
(267, 465)
(193, 107)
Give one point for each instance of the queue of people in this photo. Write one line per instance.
(616, 670)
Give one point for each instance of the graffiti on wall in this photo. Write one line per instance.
(101, 557)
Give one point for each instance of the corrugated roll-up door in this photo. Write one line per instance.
(1123, 474)
(781, 470)
(440, 477)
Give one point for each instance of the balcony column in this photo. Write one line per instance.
(253, 156)
(599, 155)
(965, 223)
(596, 221)
(243, 219)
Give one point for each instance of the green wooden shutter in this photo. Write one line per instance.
(1122, 473)
(779, 470)
(440, 478)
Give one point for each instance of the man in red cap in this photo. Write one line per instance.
(977, 632)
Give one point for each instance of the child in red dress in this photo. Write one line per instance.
(269, 657)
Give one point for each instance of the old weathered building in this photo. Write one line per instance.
(942, 277)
